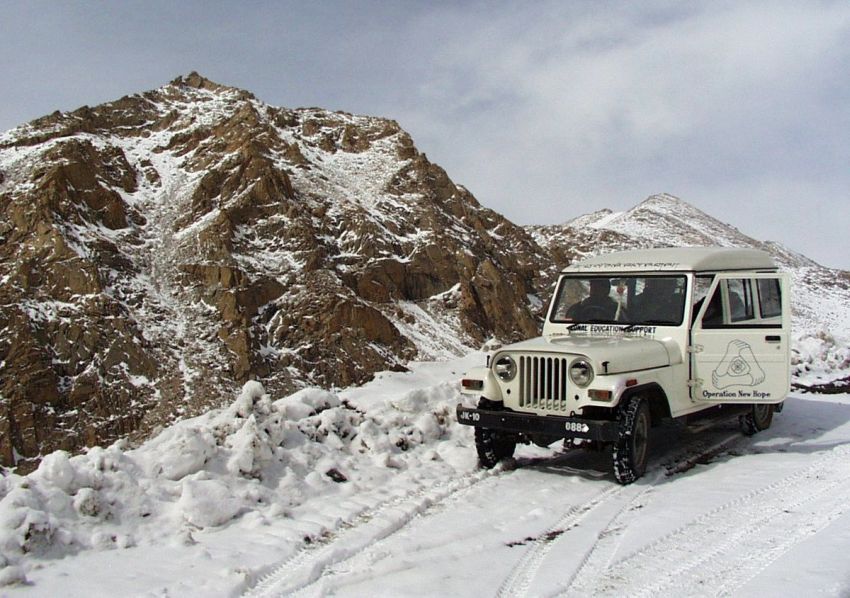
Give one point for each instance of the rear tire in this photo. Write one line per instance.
(631, 450)
(493, 446)
(759, 418)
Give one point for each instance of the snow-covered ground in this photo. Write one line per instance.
(374, 491)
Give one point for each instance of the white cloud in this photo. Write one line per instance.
(602, 75)
(553, 110)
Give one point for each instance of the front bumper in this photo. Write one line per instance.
(548, 425)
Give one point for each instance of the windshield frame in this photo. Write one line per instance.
(629, 281)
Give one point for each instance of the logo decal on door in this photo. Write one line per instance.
(739, 367)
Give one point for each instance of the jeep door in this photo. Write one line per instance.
(740, 340)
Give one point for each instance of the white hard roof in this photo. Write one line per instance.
(678, 259)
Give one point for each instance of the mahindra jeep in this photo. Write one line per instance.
(633, 338)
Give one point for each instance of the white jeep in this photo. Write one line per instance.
(632, 338)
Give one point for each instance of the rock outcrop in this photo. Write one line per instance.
(162, 249)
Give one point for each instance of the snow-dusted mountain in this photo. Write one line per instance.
(160, 250)
(821, 296)
(659, 221)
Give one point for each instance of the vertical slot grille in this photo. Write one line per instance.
(543, 383)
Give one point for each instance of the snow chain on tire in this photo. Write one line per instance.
(632, 446)
(492, 446)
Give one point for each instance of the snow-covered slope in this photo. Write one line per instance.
(315, 459)
(375, 491)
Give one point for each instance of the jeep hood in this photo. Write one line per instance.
(623, 353)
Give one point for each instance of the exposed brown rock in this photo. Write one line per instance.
(265, 248)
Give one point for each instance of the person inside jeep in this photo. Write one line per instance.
(596, 306)
(659, 302)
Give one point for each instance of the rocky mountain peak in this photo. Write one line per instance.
(162, 249)
(664, 201)
(198, 81)
(666, 208)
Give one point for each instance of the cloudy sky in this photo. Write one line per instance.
(544, 110)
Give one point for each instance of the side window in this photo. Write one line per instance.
(713, 317)
(740, 300)
(734, 300)
(769, 297)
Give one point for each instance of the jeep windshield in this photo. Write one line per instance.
(632, 300)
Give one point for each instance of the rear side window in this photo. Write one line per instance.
(733, 304)
(769, 297)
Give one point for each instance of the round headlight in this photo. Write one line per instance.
(505, 368)
(581, 372)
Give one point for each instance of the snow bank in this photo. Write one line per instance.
(255, 481)
(257, 455)
(820, 357)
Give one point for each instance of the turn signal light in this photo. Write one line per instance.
(599, 395)
(472, 384)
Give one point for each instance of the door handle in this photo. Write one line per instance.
(773, 338)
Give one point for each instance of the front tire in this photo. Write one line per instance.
(759, 418)
(631, 450)
(493, 446)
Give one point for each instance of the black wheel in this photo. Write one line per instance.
(758, 418)
(631, 450)
(493, 446)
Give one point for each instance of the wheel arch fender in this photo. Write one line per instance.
(656, 398)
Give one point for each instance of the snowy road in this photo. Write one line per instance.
(243, 502)
(560, 526)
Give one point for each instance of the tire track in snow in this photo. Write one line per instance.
(762, 524)
(524, 571)
(766, 551)
(599, 555)
(307, 565)
(704, 453)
